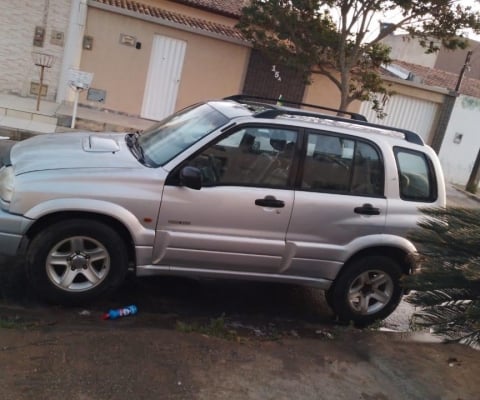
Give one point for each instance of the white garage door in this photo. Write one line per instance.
(406, 112)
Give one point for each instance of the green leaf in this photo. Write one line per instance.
(304, 35)
(447, 286)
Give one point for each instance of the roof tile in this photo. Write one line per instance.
(443, 79)
(232, 8)
(157, 12)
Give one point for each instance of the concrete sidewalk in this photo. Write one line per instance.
(457, 196)
(20, 119)
(20, 114)
(100, 121)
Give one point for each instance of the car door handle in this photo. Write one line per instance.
(270, 201)
(367, 209)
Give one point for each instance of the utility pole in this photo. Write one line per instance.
(447, 107)
(464, 68)
(474, 178)
(472, 183)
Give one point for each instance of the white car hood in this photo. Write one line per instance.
(72, 150)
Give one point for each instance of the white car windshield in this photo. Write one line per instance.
(165, 140)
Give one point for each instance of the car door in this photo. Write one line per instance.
(238, 220)
(339, 203)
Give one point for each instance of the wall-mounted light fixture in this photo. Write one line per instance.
(39, 36)
(56, 38)
(128, 40)
(87, 42)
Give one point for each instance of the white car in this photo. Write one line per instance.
(236, 188)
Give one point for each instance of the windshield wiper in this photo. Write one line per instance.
(134, 145)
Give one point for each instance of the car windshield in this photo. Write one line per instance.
(170, 137)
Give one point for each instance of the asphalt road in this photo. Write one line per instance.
(461, 198)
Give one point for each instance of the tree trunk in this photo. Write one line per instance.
(345, 79)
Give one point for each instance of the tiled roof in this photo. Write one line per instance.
(232, 8)
(173, 17)
(436, 77)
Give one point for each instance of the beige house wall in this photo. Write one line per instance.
(322, 91)
(412, 106)
(422, 92)
(212, 68)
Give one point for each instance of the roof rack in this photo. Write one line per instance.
(240, 97)
(358, 119)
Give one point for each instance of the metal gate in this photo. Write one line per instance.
(267, 79)
(406, 112)
(163, 79)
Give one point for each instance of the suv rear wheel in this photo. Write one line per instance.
(367, 290)
(75, 261)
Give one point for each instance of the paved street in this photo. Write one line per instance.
(460, 198)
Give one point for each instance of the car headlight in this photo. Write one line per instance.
(7, 180)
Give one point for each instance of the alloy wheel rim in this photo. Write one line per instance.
(370, 292)
(78, 264)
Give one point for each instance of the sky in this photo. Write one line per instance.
(395, 15)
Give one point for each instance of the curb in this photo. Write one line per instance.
(16, 133)
(473, 196)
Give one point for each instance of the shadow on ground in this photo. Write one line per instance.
(163, 301)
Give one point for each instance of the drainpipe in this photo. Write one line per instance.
(73, 47)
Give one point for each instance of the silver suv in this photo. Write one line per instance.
(236, 188)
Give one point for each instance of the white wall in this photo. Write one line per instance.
(406, 49)
(458, 158)
(18, 20)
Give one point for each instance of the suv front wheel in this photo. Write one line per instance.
(75, 261)
(368, 289)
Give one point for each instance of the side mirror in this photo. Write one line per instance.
(191, 177)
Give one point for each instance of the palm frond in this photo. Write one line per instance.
(448, 283)
(442, 314)
(431, 280)
(472, 340)
(434, 297)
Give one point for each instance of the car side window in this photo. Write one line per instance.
(251, 156)
(342, 165)
(415, 176)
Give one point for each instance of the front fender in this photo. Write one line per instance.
(143, 235)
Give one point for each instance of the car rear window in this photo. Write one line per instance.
(342, 165)
(416, 178)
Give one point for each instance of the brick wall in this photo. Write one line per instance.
(18, 20)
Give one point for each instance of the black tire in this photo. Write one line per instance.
(76, 261)
(368, 289)
(329, 297)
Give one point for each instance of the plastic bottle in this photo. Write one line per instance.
(121, 312)
(280, 102)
